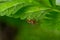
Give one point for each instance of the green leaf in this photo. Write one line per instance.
(29, 12)
(11, 9)
(53, 2)
(58, 7)
(45, 2)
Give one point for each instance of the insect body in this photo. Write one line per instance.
(31, 21)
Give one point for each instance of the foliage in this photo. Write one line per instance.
(45, 12)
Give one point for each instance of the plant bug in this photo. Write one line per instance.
(31, 21)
